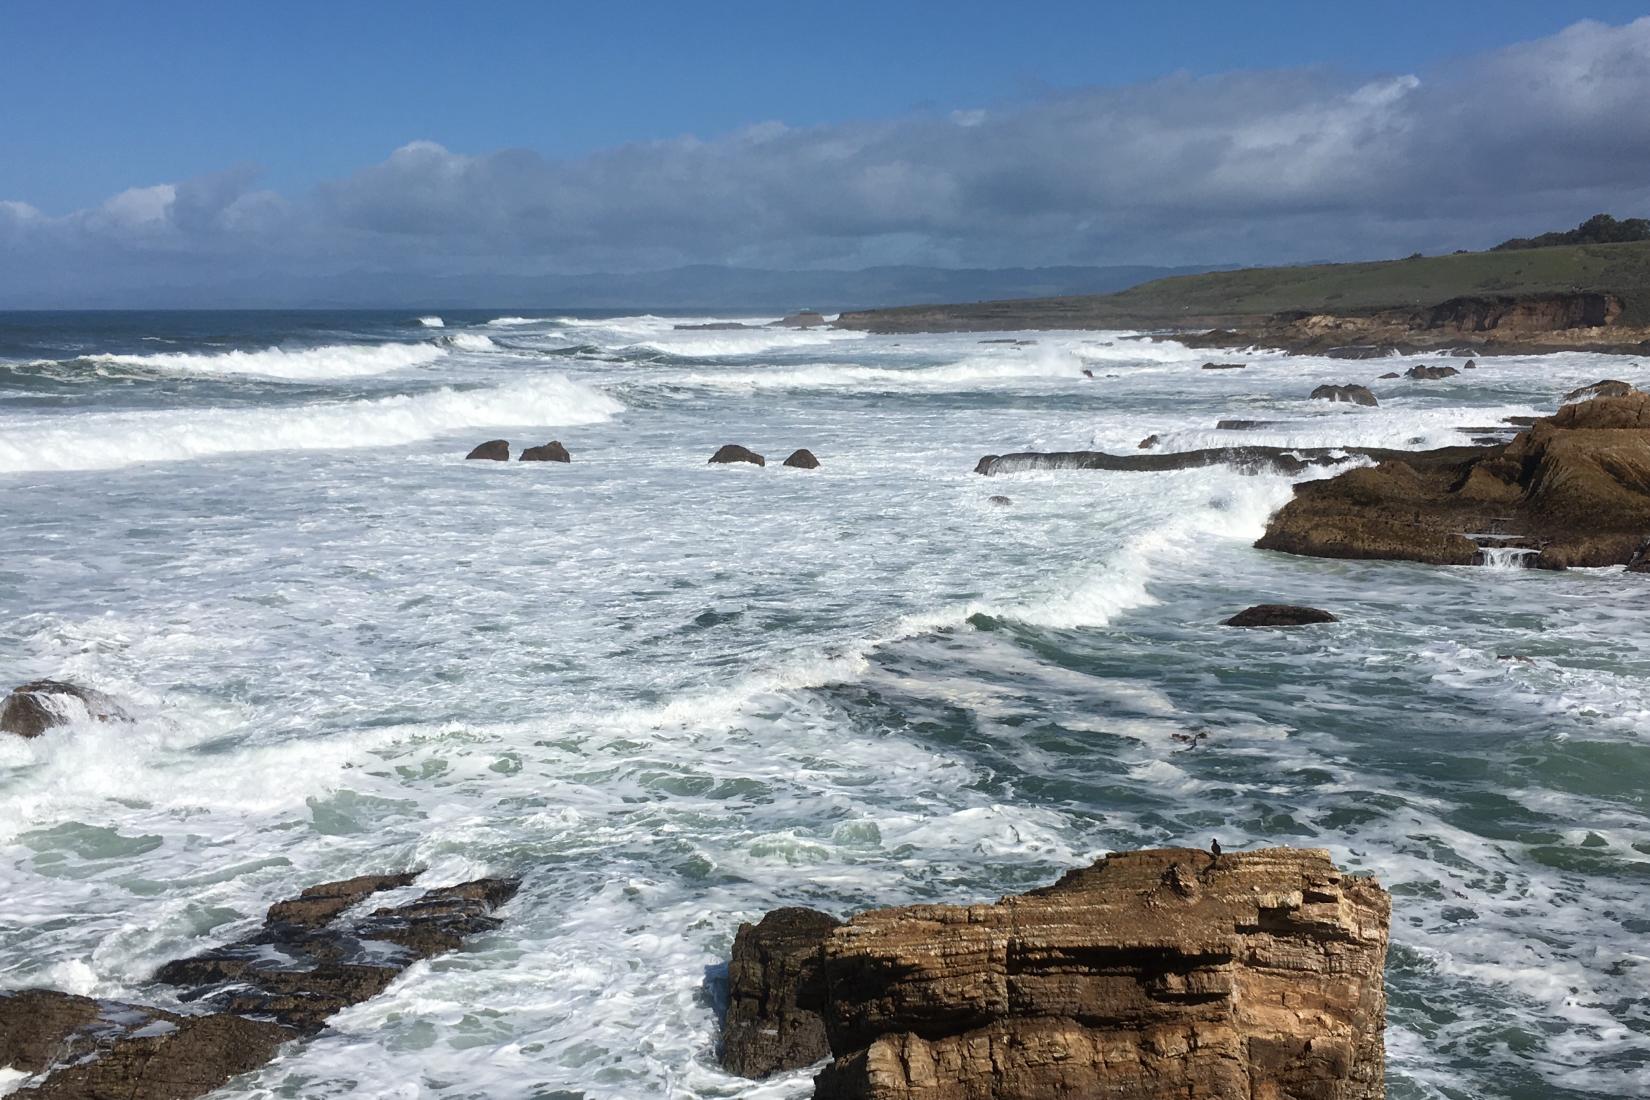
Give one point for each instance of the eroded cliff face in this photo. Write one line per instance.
(1161, 973)
(1522, 315)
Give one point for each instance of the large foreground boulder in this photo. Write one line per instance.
(733, 452)
(1357, 395)
(1575, 487)
(312, 957)
(1153, 974)
(35, 707)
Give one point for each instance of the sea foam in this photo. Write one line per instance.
(308, 364)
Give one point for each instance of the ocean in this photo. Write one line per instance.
(672, 696)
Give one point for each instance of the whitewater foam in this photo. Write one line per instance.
(308, 364)
(110, 440)
(432, 322)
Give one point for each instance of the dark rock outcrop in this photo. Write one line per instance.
(1224, 366)
(494, 450)
(1244, 425)
(552, 451)
(1575, 486)
(1425, 373)
(802, 459)
(310, 959)
(1147, 444)
(1279, 614)
(1640, 561)
(999, 501)
(1391, 374)
(1149, 975)
(35, 707)
(776, 994)
(1470, 364)
(805, 318)
(1609, 387)
(733, 452)
(107, 1050)
(1357, 395)
(1288, 460)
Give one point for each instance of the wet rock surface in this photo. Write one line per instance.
(35, 707)
(733, 452)
(1224, 366)
(1164, 973)
(776, 994)
(494, 450)
(1574, 486)
(1609, 387)
(1289, 460)
(552, 451)
(1279, 614)
(312, 957)
(802, 459)
(1425, 373)
(1357, 395)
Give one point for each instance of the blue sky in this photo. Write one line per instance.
(111, 95)
(308, 137)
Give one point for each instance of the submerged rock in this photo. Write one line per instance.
(1576, 486)
(802, 459)
(35, 707)
(1391, 374)
(776, 994)
(1165, 973)
(1609, 387)
(1224, 366)
(310, 959)
(1279, 614)
(1289, 460)
(1357, 395)
(552, 451)
(1426, 374)
(494, 450)
(999, 501)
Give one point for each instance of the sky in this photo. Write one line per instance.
(193, 142)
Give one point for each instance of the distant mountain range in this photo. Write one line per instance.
(704, 287)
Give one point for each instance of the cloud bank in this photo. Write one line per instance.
(1256, 167)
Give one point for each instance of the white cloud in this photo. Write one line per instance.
(1256, 166)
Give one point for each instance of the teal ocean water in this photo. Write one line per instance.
(672, 696)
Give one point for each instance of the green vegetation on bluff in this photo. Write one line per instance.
(1598, 229)
(1236, 298)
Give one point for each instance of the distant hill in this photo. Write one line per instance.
(705, 287)
(1598, 229)
(1245, 297)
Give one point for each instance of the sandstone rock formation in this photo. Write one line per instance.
(1357, 395)
(1575, 487)
(1151, 974)
(35, 707)
(494, 450)
(776, 994)
(1424, 373)
(1279, 614)
(552, 451)
(311, 958)
(802, 459)
(733, 452)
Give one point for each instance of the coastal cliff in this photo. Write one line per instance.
(1161, 973)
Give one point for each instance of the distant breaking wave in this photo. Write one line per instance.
(109, 440)
(468, 341)
(432, 322)
(309, 364)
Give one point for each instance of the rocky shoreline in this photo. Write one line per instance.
(1165, 973)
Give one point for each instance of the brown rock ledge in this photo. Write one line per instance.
(1574, 489)
(1151, 974)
